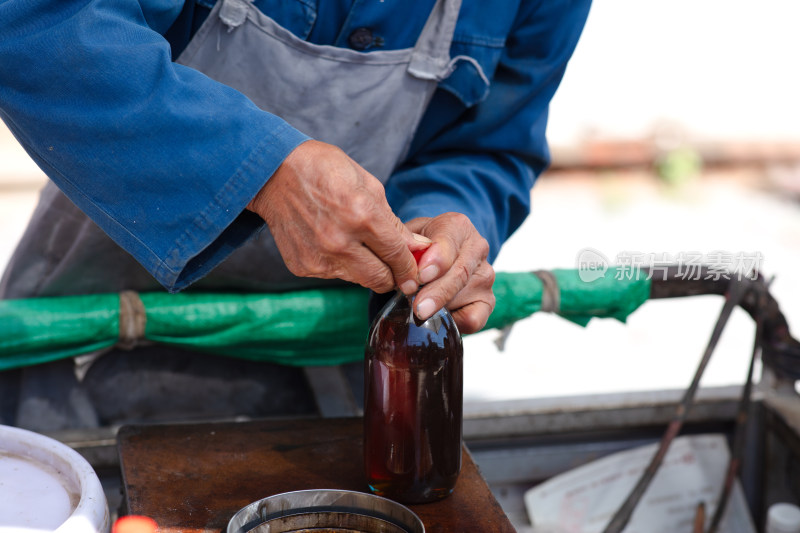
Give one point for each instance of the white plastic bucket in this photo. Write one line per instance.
(46, 486)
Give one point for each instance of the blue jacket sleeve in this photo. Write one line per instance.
(483, 160)
(161, 157)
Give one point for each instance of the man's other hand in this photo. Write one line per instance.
(455, 271)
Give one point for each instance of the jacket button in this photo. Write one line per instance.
(360, 38)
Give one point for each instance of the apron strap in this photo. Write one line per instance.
(233, 13)
(430, 59)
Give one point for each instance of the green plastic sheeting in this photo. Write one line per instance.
(313, 327)
(616, 294)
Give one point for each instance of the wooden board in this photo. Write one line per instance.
(193, 478)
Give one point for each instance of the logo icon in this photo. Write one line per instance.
(592, 265)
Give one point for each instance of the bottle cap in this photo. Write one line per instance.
(135, 524)
(418, 253)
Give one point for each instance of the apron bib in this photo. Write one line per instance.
(368, 104)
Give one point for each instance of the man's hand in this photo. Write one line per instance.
(330, 219)
(455, 271)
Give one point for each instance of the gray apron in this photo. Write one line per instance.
(368, 104)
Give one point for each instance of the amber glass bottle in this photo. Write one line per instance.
(412, 404)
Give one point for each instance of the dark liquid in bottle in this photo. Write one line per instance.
(412, 407)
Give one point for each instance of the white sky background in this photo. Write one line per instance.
(723, 69)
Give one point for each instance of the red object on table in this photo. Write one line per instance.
(134, 524)
(193, 478)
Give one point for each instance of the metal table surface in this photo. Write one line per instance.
(194, 477)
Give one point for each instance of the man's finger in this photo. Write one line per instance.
(389, 240)
(472, 310)
(364, 268)
(448, 241)
(471, 318)
(441, 291)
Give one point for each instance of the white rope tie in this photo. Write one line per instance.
(452, 66)
(132, 320)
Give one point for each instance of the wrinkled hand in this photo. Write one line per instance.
(455, 270)
(330, 219)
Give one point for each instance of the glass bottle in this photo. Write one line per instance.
(412, 404)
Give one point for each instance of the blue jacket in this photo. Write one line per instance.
(164, 159)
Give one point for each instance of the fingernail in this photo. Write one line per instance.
(421, 238)
(428, 273)
(425, 309)
(409, 287)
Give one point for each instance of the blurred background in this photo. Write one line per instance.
(676, 130)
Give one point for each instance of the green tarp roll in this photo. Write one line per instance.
(313, 327)
(616, 294)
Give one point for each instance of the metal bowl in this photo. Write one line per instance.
(325, 511)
